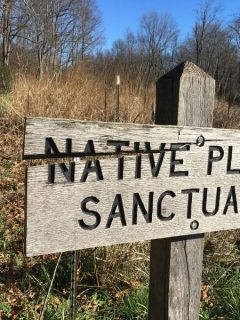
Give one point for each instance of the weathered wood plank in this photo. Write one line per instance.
(185, 96)
(54, 210)
(80, 132)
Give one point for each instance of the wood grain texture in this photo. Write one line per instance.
(185, 96)
(53, 210)
(38, 129)
(174, 260)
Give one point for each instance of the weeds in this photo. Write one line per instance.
(224, 290)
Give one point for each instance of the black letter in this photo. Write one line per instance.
(204, 203)
(155, 168)
(229, 163)
(190, 196)
(91, 213)
(67, 172)
(137, 202)
(232, 194)
(113, 214)
(118, 144)
(159, 206)
(138, 161)
(89, 168)
(212, 159)
(89, 149)
(174, 161)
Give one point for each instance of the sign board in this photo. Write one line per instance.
(119, 183)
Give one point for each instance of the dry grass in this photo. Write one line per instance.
(226, 116)
(76, 95)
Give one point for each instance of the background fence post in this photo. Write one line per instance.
(185, 96)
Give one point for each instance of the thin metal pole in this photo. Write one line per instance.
(118, 104)
(105, 103)
(73, 294)
(50, 288)
(118, 98)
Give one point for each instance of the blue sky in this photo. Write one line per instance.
(120, 15)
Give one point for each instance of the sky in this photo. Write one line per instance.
(122, 15)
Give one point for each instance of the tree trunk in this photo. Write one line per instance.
(6, 33)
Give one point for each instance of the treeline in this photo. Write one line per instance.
(49, 36)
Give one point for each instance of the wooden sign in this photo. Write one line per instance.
(131, 183)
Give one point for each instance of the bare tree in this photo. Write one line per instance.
(211, 46)
(86, 25)
(13, 20)
(39, 29)
(235, 29)
(235, 36)
(62, 31)
(141, 57)
(129, 60)
(157, 37)
(206, 26)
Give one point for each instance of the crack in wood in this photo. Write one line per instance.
(188, 277)
(103, 155)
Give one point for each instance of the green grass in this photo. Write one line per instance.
(119, 301)
(3, 222)
(100, 305)
(5, 309)
(5, 101)
(135, 305)
(112, 303)
(224, 292)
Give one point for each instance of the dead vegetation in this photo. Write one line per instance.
(75, 95)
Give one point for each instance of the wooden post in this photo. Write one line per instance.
(185, 96)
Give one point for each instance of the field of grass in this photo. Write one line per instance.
(113, 281)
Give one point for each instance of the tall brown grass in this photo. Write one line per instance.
(77, 95)
(225, 115)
